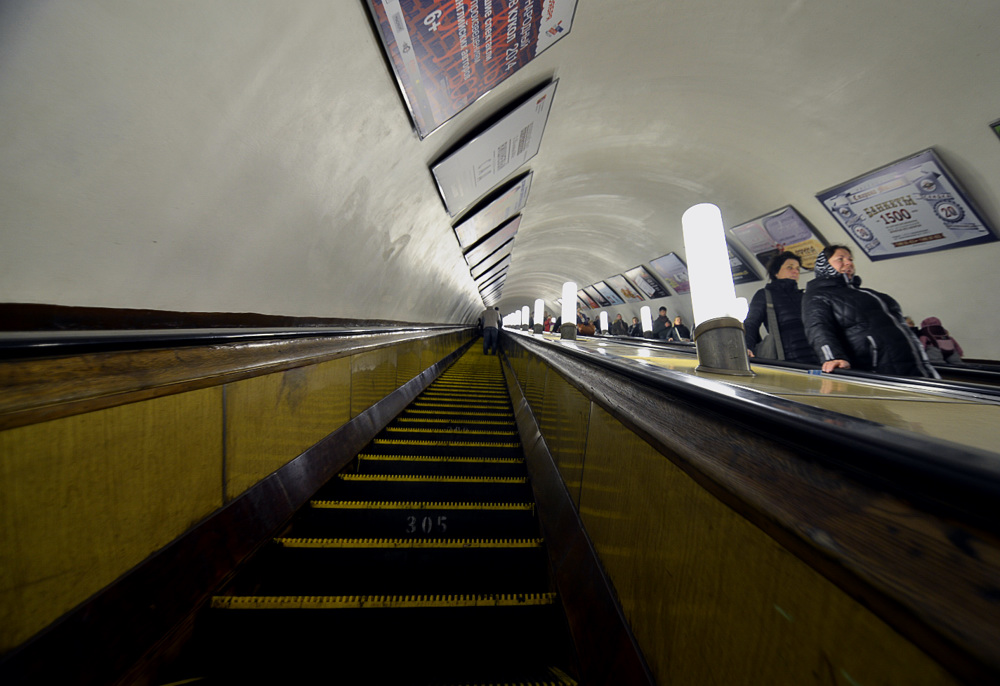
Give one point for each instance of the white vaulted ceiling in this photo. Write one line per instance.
(257, 156)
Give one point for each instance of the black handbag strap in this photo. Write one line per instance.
(772, 325)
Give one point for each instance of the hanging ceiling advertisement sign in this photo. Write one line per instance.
(511, 201)
(490, 157)
(628, 293)
(646, 283)
(446, 54)
(742, 273)
(781, 230)
(673, 271)
(490, 245)
(910, 206)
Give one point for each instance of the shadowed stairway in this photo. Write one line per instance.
(421, 564)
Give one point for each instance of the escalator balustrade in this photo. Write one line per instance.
(420, 565)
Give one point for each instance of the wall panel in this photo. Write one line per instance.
(271, 419)
(373, 376)
(85, 498)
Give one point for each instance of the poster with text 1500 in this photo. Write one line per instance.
(910, 206)
(448, 53)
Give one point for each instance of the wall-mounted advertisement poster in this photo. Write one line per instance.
(496, 239)
(647, 283)
(911, 206)
(784, 229)
(742, 273)
(489, 265)
(469, 172)
(595, 296)
(587, 299)
(509, 202)
(603, 289)
(627, 291)
(446, 54)
(673, 271)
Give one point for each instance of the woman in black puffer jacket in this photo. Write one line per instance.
(851, 327)
(783, 270)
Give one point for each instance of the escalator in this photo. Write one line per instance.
(420, 564)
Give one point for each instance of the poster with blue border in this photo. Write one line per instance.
(908, 207)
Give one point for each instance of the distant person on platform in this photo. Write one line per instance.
(619, 327)
(677, 331)
(661, 325)
(786, 299)
(636, 328)
(850, 327)
(491, 330)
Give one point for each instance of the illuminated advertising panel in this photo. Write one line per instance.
(627, 291)
(646, 283)
(609, 295)
(742, 273)
(489, 245)
(487, 159)
(908, 207)
(485, 275)
(673, 271)
(781, 230)
(508, 203)
(447, 54)
(588, 301)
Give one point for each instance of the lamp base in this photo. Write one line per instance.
(537, 328)
(722, 347)
(568, 332)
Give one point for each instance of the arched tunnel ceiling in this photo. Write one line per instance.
(231, 157)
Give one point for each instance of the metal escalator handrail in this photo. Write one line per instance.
(929, 468)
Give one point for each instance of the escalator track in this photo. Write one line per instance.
(420, 564)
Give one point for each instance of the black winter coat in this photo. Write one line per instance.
(846, 322)
(787, 299)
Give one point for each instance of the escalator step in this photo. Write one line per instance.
(379, 601)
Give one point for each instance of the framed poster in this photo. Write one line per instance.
(609, 295)
(446, 55)
(595, 296)
(493, 280)
(489, 272)
(588, 301)
(910, 206)
(784, 229)
(495, 154)
(627, 291)
(647, 283)
(498, 210)
(742, 273)
(673, 271)
(505, 234)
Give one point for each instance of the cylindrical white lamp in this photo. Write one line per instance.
(604, 322)
(568, 327)
(539, 315)
(718, 335)
(646, 317)
(525, 317)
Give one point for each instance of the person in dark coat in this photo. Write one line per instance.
(661, 325)
(783, 272)
(619, 327)
(677, 331)
(636, 328)
(851, 327)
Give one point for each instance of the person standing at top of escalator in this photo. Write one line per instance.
(851, 327)
(786, 298)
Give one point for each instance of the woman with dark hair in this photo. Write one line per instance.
(851, 327)
(786, 299)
